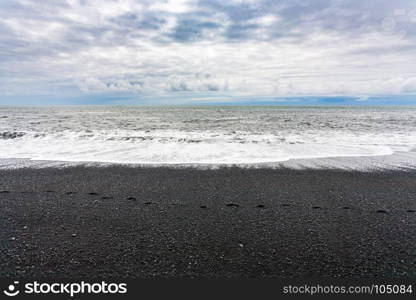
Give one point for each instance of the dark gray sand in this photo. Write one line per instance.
(137, 222)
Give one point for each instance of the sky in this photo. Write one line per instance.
(207, 52)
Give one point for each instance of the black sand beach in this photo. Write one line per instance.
(137, 222)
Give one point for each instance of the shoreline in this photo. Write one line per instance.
(126, 222)
(398, 161)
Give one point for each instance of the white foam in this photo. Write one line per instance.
(170, 147)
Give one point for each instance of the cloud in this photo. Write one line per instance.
(197, 83)
(194, 29)
(409, 85)
(242, 48)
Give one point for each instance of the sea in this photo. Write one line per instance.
(361, 137)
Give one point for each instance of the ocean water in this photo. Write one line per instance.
(246, 136)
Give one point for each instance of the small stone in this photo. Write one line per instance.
(74, 235)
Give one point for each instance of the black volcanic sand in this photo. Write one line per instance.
(159, 222)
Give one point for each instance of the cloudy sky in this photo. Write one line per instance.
(207, 51)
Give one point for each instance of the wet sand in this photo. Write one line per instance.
(158, 222)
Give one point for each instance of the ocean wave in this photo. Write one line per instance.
(177, 147)
(204, 135)
(11, 135)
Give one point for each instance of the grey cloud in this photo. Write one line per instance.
(135, 22)
(306, 16)
(190, 29)
(139, 47)
(241, 31)
(242, 11)
(180, 86)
